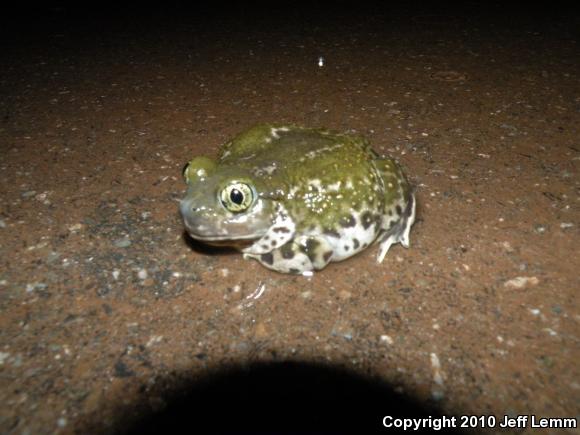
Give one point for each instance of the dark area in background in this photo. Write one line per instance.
(27, 19)
(282, 398)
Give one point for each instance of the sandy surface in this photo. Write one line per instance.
(106, 308)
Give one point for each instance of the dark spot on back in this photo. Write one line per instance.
(287, 251)
(273, 243)
(267, 258)
(367, 219)
(346, 247)
(281, 230)
(356, 243)
(347, 221)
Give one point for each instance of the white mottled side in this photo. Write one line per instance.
(345, 246)
(299, 262)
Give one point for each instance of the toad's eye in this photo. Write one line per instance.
(237, 197)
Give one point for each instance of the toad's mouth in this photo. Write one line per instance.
(238, 244)
(213, 232)
(221, 239)
(224, 241)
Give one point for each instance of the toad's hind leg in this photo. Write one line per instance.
(399, 231)
(397, 221)
(304, 254)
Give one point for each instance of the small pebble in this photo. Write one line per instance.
(35, 286)
(52, 257)
(3, 357)
(122, 243)
(436, 392)
(343, 329)
(386, 339)
(154, 340)
(507, 246)
(61, 422)
(540, 229)
(521, 282)
(345, 294)
(142, 274)
(76, 227)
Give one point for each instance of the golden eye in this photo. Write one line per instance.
(237, 197)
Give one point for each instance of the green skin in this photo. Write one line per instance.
(310, 182)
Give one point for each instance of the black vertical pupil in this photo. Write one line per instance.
(236, 196)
